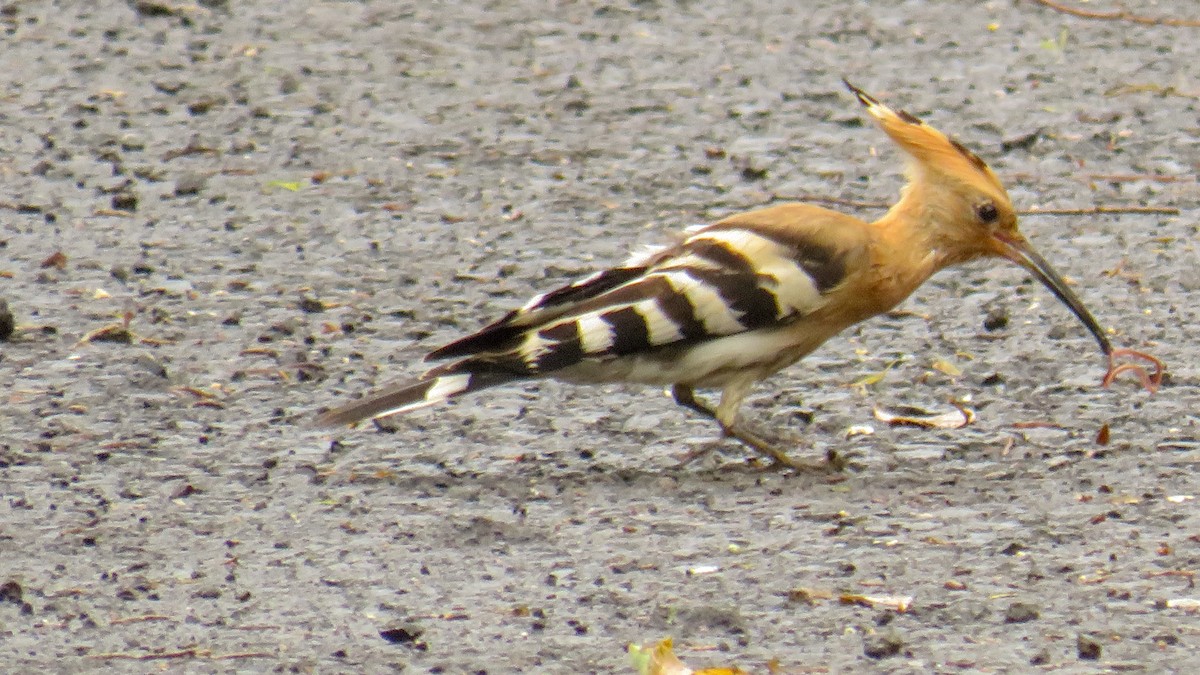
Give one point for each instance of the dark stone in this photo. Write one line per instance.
(8, 324)
(882, 645)
(1020, 612)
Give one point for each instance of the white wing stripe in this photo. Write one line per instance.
(707, 305)
(445, 387)
(595, 334)
(661, 328)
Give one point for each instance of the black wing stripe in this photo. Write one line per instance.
(720, 255)
(493, 337)
(714, 315)
(676, 306)
(653, 294)
(630, 334)
(564, 347)
(585, 288)
(637, 291)
(755, 306)
(561, 332)
(824, 263)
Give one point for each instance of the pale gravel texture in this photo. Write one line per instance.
(472, 155)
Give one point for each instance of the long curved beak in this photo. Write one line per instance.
(1018, 250)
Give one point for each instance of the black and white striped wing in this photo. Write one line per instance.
(687, 306)
(724, 279)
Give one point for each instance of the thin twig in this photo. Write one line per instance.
(1119, 15)
(836, 201)
(1095, 210)
(1135, 177)
(148, 656)
(136, 619)
(1091, 211)
(188, 653)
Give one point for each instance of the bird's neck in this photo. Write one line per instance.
(905, 252)
(920, 230)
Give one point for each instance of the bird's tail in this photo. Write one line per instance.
(438, 385)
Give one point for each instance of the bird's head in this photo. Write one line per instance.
(960, 207)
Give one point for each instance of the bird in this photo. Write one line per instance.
(732, 302)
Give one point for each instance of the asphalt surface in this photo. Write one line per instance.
(220, 218)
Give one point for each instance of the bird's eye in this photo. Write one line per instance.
(987, 212)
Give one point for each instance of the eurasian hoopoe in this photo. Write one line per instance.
(738, 300)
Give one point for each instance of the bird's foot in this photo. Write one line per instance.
(833, 463)
(780, 460)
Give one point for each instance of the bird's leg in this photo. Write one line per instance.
(731, 398)
(686, 397)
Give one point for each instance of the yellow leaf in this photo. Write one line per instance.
(875, 378)
(661, 660)
(944, 366)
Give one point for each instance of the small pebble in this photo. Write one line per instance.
(995, 320)
(125, 201)
(1020, 612)
(882, 645)
(311, 305)
(190, 184)
(8, 324)
(1089, 649)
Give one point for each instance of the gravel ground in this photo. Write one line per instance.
(258, 209)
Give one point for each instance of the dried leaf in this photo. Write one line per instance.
(900, 603)
(1102, 436)
(290, 186)
(1036, 424)
(114, 332)
(197, 392)
(114, 213)
(875, 378)
(808, 596)
(917, 417)
(946, 367)
(58, 259)
(204, 403)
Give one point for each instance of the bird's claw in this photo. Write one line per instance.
(834, 462)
